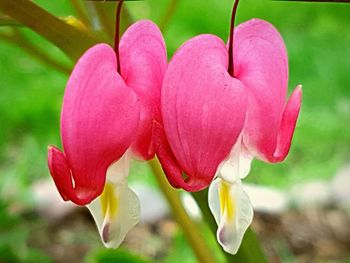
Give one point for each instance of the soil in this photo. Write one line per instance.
(314, 235)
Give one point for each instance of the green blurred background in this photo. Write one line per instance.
(317, 37)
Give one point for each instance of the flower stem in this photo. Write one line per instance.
(168, 14)
(117, 33)
(231, 69)
(17, 38)
(190, 229)
(70, 40)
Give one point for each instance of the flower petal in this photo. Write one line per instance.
(261, 63)
(117, 210)
(232, 211)
(237, 165)
(99, 117)
(203, 108)
(60, 172)
(143, 61)
(288, 123)
(170, 165)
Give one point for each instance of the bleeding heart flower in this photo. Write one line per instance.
(261, 64)
(110, 103)
(219, 112)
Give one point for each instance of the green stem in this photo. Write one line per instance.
(81, 13)
(250, 250)
(190, 229)
(168, 14)
(8, 21)
(106, 17)
(69, 39)
(18, 39)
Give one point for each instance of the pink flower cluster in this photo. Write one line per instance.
(204, 125)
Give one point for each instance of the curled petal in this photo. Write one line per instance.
(61, 174)
(261, 63)
(288, 123)
(232, 211)
(99, 117)
(117, 209)
(143, 65)
(203, 109)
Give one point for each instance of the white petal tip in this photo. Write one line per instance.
(233, 212)
(115, 212)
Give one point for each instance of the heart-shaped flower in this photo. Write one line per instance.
(110, 103)
(221, 106)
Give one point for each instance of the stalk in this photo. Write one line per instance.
(190, 229)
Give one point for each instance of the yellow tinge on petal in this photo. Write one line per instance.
(117, 209)
(226, 202)
(109, 201)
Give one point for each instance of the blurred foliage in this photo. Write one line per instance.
(317, 40)
(13, 235)
(110, 256)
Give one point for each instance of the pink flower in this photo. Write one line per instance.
(107, 116)
(214, 122)
(261, 64)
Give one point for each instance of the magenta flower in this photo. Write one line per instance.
(221, 106)
(110, 103)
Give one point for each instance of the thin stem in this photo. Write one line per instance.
(231, 69)
(117, 32)
(168, 14)
(190, 229)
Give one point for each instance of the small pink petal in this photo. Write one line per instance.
(99, 118)
(60, 172)
(203, 109)
(143, 61)
(286, 131)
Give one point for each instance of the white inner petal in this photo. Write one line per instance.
(119, 171)
(237, 165)
(228, 202)
(117, 209)
(233, 213)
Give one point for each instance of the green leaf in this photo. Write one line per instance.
(69, 39)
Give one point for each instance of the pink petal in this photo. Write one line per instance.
(203, 110)
(143, 65)
(261, 63)
(286, 131)
(99, 117)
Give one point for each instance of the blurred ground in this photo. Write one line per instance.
(316, 235)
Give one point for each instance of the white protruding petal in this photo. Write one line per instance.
(233, 213)
(236, 166)
(117, 209)
(119, 171)
(245, 161)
